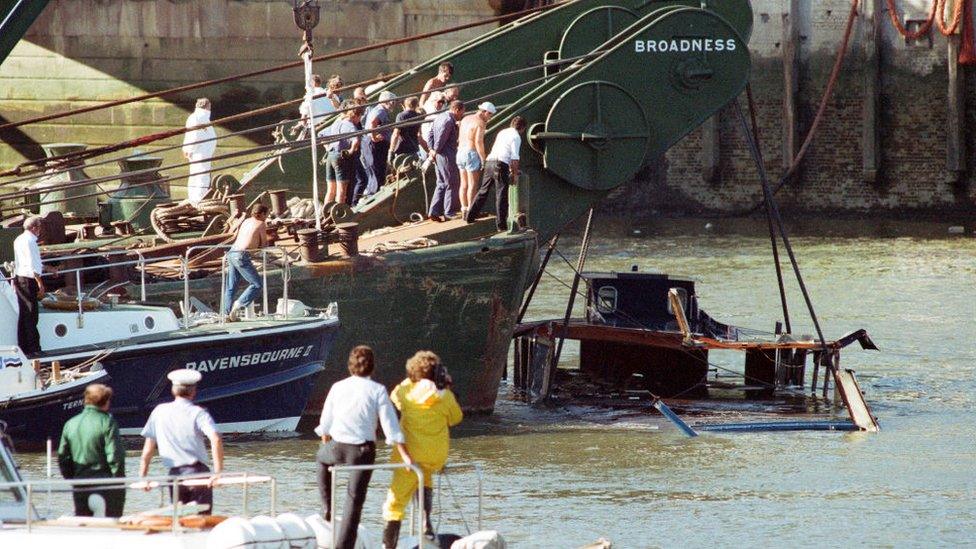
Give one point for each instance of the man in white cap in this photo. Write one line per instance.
(471, 152)
(198, 146)
(179, 428)
(376, 145)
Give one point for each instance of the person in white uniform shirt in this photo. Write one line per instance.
(179, 429)
(501, 169)
(348, 430)
(199, 153)
(28, 285)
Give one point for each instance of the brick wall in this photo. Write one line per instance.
(912, 126)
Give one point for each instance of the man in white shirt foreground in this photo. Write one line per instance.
(179, 428)
(348, 431)
(251, 235)
(501, 169)
(28, 285)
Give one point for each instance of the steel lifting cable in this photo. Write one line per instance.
(293, 147)
(295, 64)
(774, 211)
(43, 171)
(769, 217)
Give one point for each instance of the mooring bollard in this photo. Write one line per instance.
(88, 231)
(347, 237)
(278, 203)
(308, 245)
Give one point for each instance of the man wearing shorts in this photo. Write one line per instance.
(343, 152)
(471, 152)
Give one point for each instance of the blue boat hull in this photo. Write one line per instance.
(253, 380)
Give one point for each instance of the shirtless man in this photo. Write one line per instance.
(471, 152)
(444, 73)
(252, 234)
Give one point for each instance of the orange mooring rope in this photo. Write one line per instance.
(936, 16)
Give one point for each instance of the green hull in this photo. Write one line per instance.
(459, 300)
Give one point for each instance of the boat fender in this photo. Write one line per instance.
(294, 308)
(323, 533)
(299, 534)
(269, 534)
(232, 533)
(485, 539)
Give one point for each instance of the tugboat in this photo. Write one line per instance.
(258, 373)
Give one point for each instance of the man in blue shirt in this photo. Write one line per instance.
(443, 147)
(179, 428)
(376, 144)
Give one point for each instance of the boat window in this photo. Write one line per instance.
(606, 300)
(60, 330)
(150, 323)
(683, 297)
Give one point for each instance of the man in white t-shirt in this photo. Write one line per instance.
(347, 427)
(28, 285)
(501, 169)
(251, 235)
(179, 429)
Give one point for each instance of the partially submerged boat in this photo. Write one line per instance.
(645, 336)
(258, 373)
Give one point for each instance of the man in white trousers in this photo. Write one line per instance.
(198, 147)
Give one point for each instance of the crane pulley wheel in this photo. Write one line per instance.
(594, 27)
(595, 137)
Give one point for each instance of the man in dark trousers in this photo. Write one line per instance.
(179, 429)
(376, 145)
(348, 430)
(91, 447)
(501, 168)
(28, 285)
(443, 149)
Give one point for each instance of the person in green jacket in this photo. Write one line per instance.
(91, 447)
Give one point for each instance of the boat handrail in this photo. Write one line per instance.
(141, 262)
(419, 509)
(285, 277)
(415, 469)
(27, 488)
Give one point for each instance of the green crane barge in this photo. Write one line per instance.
(605, 86)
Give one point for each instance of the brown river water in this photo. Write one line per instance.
(565, 477)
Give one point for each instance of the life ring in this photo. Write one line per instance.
(65, 303)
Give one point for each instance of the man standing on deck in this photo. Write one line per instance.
(471, 152)
(376, 145)
(198, 146)
(501, 169)
(179, 429)
(444, 73)
(91, 447)
(28, 285)
(443, 148)
(251, 235)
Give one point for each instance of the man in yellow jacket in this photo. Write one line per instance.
(427, 411)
